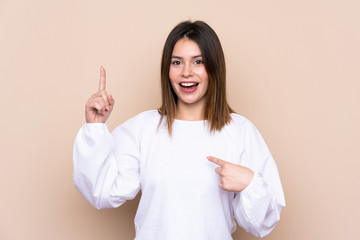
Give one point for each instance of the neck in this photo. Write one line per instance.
(190, 112)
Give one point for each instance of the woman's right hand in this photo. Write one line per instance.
(100, 104)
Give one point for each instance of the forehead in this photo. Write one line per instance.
(186, 47)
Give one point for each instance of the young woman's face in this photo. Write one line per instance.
(188, 75)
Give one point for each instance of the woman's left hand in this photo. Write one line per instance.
(233, 177)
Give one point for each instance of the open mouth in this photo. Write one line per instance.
(188, 84)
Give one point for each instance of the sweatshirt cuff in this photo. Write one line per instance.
(256, 188)
(93, 136)
(91, 129)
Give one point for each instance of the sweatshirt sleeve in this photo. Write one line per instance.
(257, 208)
(106, 166)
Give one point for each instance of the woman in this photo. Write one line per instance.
(198, 164)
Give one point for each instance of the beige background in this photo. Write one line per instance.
(293, 70)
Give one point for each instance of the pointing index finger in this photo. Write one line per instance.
(102, 83)
(216, 160)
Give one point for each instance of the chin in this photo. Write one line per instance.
(192, 101)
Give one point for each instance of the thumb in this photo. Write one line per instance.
(111, 99)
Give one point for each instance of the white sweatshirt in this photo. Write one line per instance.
(180, 194)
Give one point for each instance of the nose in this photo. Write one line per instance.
(187, 70)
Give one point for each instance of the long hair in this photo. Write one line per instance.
(217, 110)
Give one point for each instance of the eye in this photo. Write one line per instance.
(199, 61)
(176, 62)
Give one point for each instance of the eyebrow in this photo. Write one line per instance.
(178, 57)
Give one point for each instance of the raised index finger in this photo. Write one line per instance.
(102, 83)
(217, 161)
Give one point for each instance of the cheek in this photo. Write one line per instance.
(201, 73)
(172, 78)
(205, 78)
(172, 75)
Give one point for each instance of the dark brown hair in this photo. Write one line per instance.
(217, 110)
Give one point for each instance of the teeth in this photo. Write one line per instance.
(187, 84)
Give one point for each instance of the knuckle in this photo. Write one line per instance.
(226, 165)
(98, 104)
(100, 99)
(225, 186)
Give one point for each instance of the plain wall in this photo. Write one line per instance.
(293, 70)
